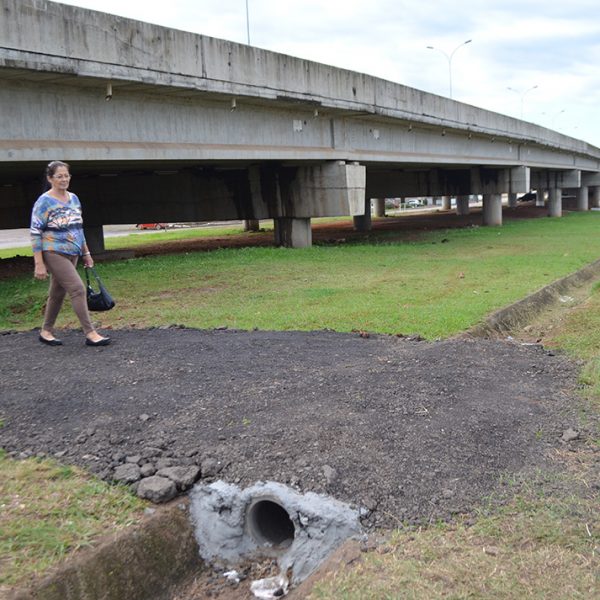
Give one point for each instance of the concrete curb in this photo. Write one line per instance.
(524, 311)
(147, 561)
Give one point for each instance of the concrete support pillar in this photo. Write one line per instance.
(540, 197)
(446, 203)
(379, 204)
(595, 193)
(583, 198)
(363, 222)
(94, 236)
(492, 209)
(293, 232)
(555, 202)
(251, 225)
(462, 205)
(512, 200)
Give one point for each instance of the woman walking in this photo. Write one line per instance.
(58, 240)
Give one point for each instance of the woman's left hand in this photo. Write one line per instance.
(88, 261)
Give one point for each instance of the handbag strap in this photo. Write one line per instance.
(87, 277)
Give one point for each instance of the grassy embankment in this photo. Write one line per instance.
(48, 510)
(436, 286)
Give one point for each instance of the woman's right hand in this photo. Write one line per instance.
(40, 271)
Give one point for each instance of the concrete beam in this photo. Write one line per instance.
(500, 181)
(205, 102)
(590, 179)
(327, 190)
(186, 195)
(556, 179)
(395, 183)
(520, 180)
(207, 194)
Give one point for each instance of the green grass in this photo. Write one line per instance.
(541, 541)
(436, 286)
(135, 240)
(48, 510)
(18, 251)
(530, 549)
(582, 332)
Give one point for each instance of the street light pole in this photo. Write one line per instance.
(449, 59)
(247, 23)
(522, 95)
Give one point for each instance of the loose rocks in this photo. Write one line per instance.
(127, 473)
(183, 477)
(157, 489)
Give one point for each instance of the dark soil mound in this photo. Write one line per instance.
(409, 430)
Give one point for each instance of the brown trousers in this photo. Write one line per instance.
(65, 280)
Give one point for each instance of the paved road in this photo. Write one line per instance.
(17, 238)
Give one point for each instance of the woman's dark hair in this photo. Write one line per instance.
(51, 168)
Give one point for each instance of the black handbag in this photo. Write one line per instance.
(100, 300)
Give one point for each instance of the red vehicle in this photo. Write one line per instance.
(152, 225)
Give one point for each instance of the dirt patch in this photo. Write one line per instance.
(411, 431)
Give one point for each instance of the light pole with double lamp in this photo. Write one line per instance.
(449, 59)
(522, 94)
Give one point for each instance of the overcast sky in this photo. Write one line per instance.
(518, 44)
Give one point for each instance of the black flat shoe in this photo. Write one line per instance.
(52, 342)
(105, 341)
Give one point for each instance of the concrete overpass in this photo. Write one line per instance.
(164, 125)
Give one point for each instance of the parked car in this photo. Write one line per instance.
(152, 225)
(412, 203)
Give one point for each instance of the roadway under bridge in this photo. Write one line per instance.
(163, 125)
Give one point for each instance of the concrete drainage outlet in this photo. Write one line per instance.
(270, 524)
(233, 525)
